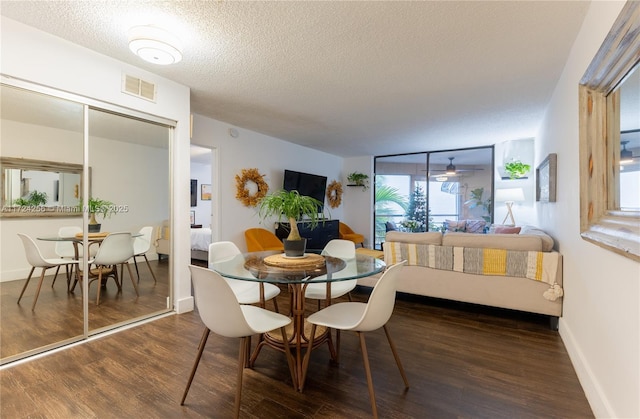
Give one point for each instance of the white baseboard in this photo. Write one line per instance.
(184, 305)
(593, 391)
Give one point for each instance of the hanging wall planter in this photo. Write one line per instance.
(358, 179)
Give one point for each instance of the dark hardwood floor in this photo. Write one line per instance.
(58, 315)
(462, 361)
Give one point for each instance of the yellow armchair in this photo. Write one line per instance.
(346, 233)
(259, 239)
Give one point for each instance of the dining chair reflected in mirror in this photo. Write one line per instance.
(245, 291)
(141, 245)
(36, 260)
(361, 318)
(339, 248)
(116, 249)
(223, 315)
(65, 250)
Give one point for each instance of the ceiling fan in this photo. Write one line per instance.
(626, 156)
(451, 170)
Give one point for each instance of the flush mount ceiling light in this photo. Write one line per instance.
(154, 45)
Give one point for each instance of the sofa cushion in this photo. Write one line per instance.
(475, 226)
(507, 230)
(493, 241)
(454, 225)
(429, 237)
(547, 240)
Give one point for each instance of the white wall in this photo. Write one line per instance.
(601, 320)
(253, 150)
(358, 204)
(38, 57)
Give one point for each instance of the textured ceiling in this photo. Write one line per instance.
(349, 78)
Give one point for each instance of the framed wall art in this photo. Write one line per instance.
(205, 193)
(546, 174)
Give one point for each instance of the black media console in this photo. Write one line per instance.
(317, 238)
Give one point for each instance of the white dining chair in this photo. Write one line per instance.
(116, 249)
(221, 314)
(246, 292)
(339, 248)
(141, 245)
(67, 250)
(36, 260)
(360, 318)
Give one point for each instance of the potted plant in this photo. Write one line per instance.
(99, 206)
(293, 207)
(516, 169)
(34, 199)
(358, 179)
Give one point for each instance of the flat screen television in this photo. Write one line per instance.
(306, 184)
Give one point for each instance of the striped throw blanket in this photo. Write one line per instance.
(538, 266)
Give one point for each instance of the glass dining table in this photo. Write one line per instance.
(297, 273)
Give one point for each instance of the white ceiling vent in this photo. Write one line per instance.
(138, 87)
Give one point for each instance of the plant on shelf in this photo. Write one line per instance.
(34, 199)
(358, 179)
(293, 207)
(99, 206)
(516, 169)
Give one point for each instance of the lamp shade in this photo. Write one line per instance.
(509, 195)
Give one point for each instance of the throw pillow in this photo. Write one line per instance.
(475, 226)
(455, 226)
(507, 230)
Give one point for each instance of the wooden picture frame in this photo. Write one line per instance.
(546, 176)
(205, 192)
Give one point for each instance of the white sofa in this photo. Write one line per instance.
(513, 271)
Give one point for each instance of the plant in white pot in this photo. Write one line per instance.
(293, 207)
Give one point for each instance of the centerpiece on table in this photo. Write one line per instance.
(293, 207)
(102, 207)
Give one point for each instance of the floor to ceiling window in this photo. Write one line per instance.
(420, 191)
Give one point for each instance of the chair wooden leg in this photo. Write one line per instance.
(56, 276)
(33, 268)
(241, 359)
(397, 358)
(135, 262)
(35, 298)
(99, 284)
(135, 286)
(150, 270)
(367, 369)
(203, 342)
(275, 304)
(287, 352)
(307, 357)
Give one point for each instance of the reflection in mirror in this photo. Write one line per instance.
(41, 138)
(605, 218)
(630, 141)
(129, 160)
(421, 191)
(35, 187)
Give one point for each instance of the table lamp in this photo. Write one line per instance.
(509, 196)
